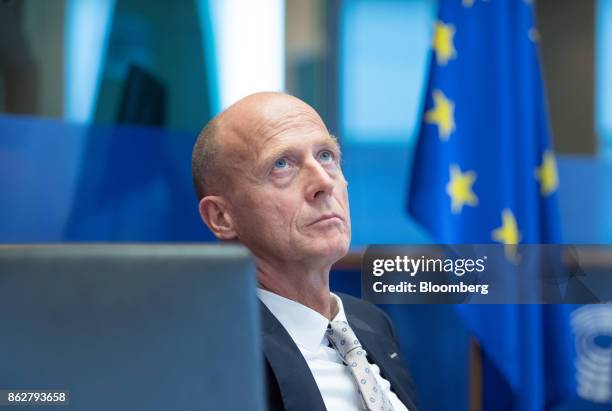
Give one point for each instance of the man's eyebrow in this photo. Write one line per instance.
(334, 140)
(274, 153)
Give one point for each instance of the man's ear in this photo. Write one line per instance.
(215, 214)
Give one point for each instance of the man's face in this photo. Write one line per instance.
(289, 198)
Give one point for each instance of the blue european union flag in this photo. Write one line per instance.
(485, 171)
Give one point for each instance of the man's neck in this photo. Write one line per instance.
(307, 288)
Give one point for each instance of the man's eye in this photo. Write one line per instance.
(326, 156)
(281, 163)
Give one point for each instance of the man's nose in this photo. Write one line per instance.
(319, 182)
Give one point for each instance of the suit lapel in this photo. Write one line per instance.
(296, 383)
(380, 348)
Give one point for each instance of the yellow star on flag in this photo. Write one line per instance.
(443, 43)
(467, 3)
(442, 115)
(508, 234)
(459, 188)
(546, 174)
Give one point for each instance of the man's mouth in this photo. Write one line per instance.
(327, 217)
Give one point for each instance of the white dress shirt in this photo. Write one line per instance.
(334, 379)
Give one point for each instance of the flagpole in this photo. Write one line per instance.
(475, 376)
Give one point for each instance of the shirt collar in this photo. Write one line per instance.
(305, 326)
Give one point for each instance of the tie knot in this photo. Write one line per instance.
(342, 337)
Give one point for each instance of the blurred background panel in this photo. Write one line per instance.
(310, 44)
(102, 100)
(566, 31)
(603, 77)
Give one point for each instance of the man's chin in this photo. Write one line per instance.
(333, 252)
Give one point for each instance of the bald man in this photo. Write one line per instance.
(267, 173)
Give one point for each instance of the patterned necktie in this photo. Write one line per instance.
(348, 346)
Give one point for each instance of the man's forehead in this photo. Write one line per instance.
(291, 131)
(260, 123)
(297, 138)
(281, 119)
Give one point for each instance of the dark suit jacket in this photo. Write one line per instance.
(290, 384)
